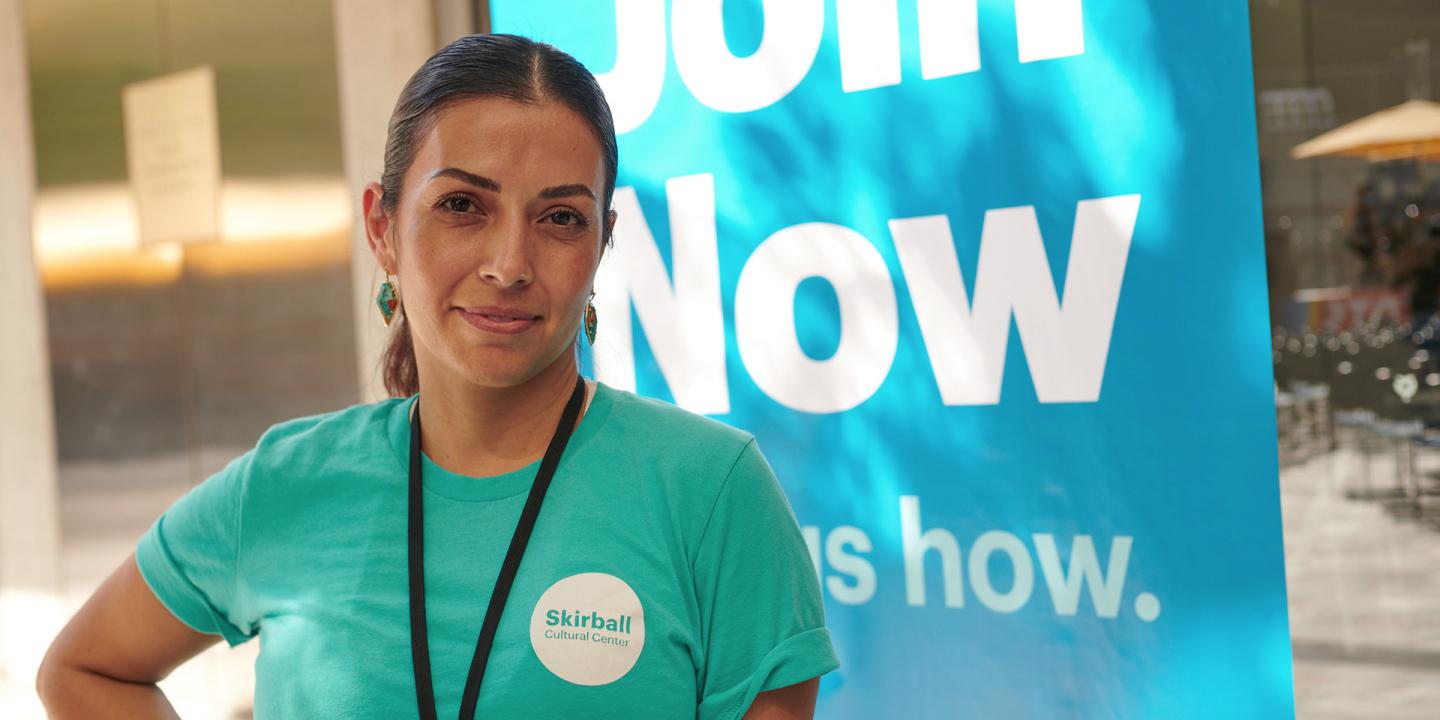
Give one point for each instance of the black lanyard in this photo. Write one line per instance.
(419, 639)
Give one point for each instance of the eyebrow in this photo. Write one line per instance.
(561, 191)
(479, 181)
(485, 183)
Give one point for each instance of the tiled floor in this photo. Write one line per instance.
(1364, 583)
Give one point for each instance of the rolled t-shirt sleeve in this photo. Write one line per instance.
(761, 612)
(189, 557)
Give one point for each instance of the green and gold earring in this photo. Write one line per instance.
(388, 300)
(591, 323)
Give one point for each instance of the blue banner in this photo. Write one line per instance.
(986, 279)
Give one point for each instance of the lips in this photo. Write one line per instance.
(499, 320)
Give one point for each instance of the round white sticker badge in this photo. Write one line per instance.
(588, 628)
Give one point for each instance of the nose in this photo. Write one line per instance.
(505, 257)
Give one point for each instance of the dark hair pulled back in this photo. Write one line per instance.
(492, 65)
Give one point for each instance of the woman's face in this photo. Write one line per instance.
(496, 237)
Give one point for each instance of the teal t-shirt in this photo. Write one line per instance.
(666, 576)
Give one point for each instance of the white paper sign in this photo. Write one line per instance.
(172, 147)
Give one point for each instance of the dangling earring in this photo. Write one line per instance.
(590, 322)
(388, 300)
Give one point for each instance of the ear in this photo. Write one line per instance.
(377, 227)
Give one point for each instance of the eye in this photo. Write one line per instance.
(459, 204)
(568, 219)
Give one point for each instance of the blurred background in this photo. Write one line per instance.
(175, 286)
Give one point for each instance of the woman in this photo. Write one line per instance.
(370, 547)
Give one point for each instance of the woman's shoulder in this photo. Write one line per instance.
(675, 427)
(671, 448)
(296, 460)
(360, 426)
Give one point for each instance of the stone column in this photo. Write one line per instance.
(29, 502)
(379, 44)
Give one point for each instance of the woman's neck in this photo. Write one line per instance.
(483, 431)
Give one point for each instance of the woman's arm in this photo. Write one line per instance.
(107, 659)
(795, 702)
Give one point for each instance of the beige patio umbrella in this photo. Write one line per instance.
(1408, 130)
